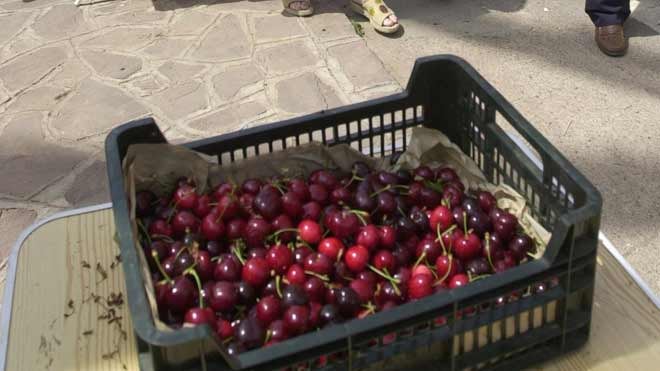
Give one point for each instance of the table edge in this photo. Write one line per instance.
(7, 298)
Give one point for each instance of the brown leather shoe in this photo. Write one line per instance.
(611, 40)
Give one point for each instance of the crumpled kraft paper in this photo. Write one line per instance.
(157, 167)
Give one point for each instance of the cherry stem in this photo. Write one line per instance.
(215, 258)
(283, 230)
(465, 223)
(269, 333)
(339, 255)
(278, 186)
(326, 233)
(490, 260)
(476, 278)
(191, 271)
(166, 238)
(322, 277)
(154, 255)
(222, 213)
(442, 243)
(360, 215)
(445, 202)
(278, 289)
(169, 217)
(238, 255)
(446, 275)
(384, 275)
(371, 309)
(386, 188)
(419, 260)
(144, 230)
(185, 247)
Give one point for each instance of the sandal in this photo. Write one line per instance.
(298, 13)
(376, 11)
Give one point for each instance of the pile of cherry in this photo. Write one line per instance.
(267, 260)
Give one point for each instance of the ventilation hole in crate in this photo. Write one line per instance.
(398, 140)
(278, 145)
(263, 148)
(410, 113)
(355, 145)
(225, 158)
(353, 127)
(376, 122)
(342, 130)
(237, 155)
(316, 136)
(571, 201)
(387, 119)
(250, 152)
(329, 134)
(420, 113)
(364, 125)
(398, 116)
(304, 138)
(365, 146)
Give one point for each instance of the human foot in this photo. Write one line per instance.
(381, 17)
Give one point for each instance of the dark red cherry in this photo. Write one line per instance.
(223, 296)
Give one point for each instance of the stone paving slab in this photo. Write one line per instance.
(69, 74)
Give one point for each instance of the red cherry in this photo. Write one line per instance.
(202, 206)
(422, 270)
(330, 247)
(256, 272)
(185, 197)
(279, 258)
(235, 228)
(309, 231)
(319, 193)
(356, 258)
(459, 280)
(364, 289)
(420, 286)
(296, 275)
(204, 266)
(430, 248)
(368, 237)
(268, 310)
(228, 207)
(281, 222)
(387, 236)
(224, 329)
(315, 289)
(486, 201)
(212, 227)
(441, 216)
(467, 247)
(200, 316)
(318, 263)
(184, 221)
(223, 296)
(384, 261)
(314, 314)
(256, 231)
(446, 266)
(292, 205)
(160, 227)
(278, 331)
(300, 188)
(296, 319)
(311, 210)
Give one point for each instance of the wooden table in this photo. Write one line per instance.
(63, 307)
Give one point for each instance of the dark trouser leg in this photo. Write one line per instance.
(608, 12)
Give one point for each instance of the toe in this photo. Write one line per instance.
(390, 21)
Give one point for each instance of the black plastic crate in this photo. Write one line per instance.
(510, 320)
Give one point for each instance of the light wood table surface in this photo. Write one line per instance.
(63, 306)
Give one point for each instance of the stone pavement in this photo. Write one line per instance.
(70, 74)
